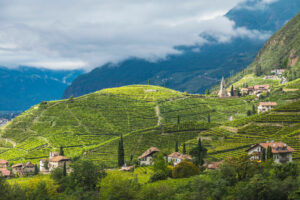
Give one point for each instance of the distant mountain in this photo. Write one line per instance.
(281, 51)
(197, 68)
(23, 87)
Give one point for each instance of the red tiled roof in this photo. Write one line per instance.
(3, 161)
(277, 147)
(149, 151)
(5, 172)
(215, 165)
(180, 156)
(59, 158)
(18, 165)
(268, 104)
(266, 87)
(29, 164)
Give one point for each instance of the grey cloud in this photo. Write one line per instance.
(85, 34)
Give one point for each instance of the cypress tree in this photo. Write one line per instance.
(36, 170)
(61, 151)
(176, 146)
(121, 160)
(269, 153)
(183, 149)
(199, 159)
(253, 109)
(65, 169)
(263, 155)
(178, 119)
(249, 113)
(231, 91)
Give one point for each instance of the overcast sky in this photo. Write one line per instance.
(69, 34)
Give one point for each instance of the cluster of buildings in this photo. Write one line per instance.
(281, 152)
(147, 157)
(251, 90)
(45, 166)
(256, 90)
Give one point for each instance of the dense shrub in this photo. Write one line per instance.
(158, 175)
(185, 169)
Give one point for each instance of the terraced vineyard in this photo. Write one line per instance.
(234, 138)
(90, 126)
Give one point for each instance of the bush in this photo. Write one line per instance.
(57, 174)
(185, 169)
(159, 175)
(119, 187)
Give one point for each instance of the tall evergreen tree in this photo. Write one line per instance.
(178, 119)
(199, 159)
(121, 155)
(176, 146)
(269, 153)
(65, 169)
(61, 151)
(263, 154)
(253, 109)
(36, 170)
(231, 91)
(183, 149)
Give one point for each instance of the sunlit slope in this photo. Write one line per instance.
(233, 138)
(90, 126)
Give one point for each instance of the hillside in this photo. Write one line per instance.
(90, 126)
(198, 67)
(281, 51)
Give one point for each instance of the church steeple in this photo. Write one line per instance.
(223, 92)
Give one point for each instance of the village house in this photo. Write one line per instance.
(261, 88)
(147, 157)
(54, 161)
(177, 158)
(278, 71)
(282, 153)
(59, 161)
(21, 169)
(214, 166)
(265, 106)
(4, 168)
(3, 164)
(255, 90)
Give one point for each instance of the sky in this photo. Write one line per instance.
(72, 34)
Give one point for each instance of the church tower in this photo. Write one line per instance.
(222, 92)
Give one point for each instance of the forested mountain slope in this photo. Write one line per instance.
(22, 87)
(198, 67)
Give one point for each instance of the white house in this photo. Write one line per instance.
(177, 158)
(147, 156)
(282, 153)
(265, 106)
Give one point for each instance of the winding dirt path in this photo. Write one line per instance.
(159, 118)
